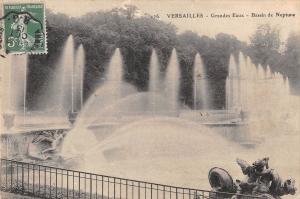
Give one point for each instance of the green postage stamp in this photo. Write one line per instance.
(24, 28)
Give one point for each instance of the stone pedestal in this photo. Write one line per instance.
(9, 119)
(72, 117)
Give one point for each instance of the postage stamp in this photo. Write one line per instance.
(24, 28)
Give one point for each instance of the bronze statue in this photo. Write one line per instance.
(261, 181)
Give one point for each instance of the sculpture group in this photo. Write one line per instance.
(261, 181)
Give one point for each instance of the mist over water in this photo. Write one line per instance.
(165, 149)
(180, 152)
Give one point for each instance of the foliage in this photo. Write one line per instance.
(265, 47)
(264, 42)
(136, 35)
(291, 61)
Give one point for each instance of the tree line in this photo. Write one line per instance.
(101, 32)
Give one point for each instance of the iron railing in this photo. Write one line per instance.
(51, 182)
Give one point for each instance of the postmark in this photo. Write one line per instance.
(24, 28)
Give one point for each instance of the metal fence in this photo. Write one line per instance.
(50, 182)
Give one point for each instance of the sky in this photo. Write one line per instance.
(242, 28)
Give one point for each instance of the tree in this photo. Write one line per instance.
(136, 35)
(128, 11)
(266, 37)
(292, 55)
(264, 42)
(293, 46)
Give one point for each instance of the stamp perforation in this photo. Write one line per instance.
(16, 19)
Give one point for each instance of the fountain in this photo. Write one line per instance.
(114, 75)
(67, 95)
(244, 81)
(57, 99)
(110, 92)
(232, 82)
(258, 84)
(164, 146)
(154, 83)
(14, 90)
(78, 78)
(18, 83)
(201, 94)
(172, 82)
(116, 115)
(154, 73)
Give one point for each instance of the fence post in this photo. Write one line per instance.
(114, 188)
(33, 183)
(50, 182)
(102, 189)
(164, 192)
(55, 183)
(17, 180)
(157, 191)
(126, 189)
(73, 183)
(39, 180)
(132, 190)
(120, 188)
(22, 178)
(28, 178)
(84, 185)
(62, 181)
(67, 184)
(79, 183)
(5, 175)
(45, 182)
(96, 186)
(108, 187)
(151, 191)
(11, 175)
(145, 190)
(1, 173)
(91, 186)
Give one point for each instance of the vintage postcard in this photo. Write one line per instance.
(149, 99)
